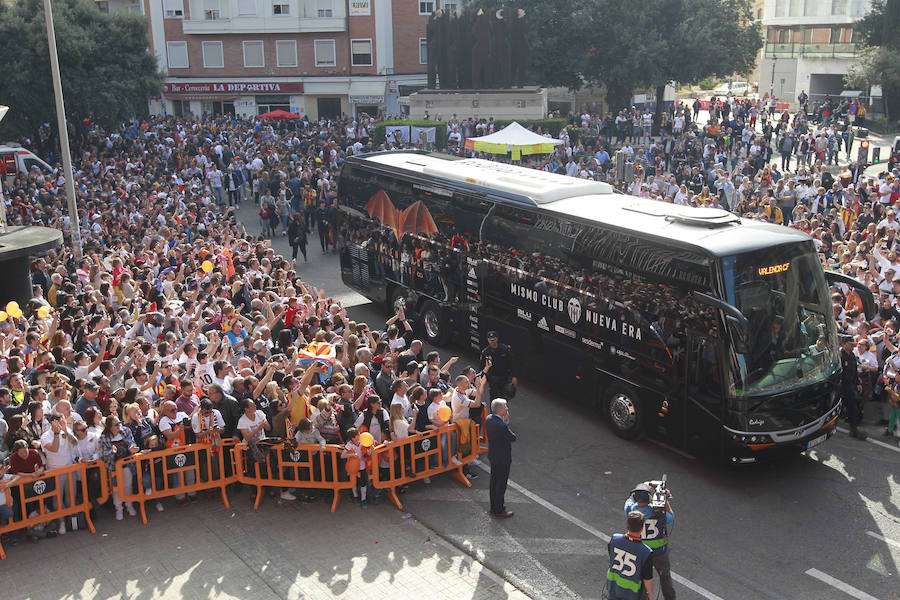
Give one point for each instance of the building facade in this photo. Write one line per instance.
(810, 45)
(320, 58)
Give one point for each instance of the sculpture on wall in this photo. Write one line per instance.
(477, 50)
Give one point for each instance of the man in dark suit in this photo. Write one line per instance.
(500, 439)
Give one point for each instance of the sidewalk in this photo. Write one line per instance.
(283, 551)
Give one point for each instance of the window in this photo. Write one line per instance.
(784, 36)
(781, 7)
(246, 8)
(177, 54)
(286, 53)
(361, 53)
(835, 35)
(325, 53)
(211, 10)
(213, 55)
(449, 7)
(253, 54)
(839, 7)
(423, 51)
(796, 8)
(173, 9)
(810, 8)
(324, 8)
(281, 7)
(426, 7)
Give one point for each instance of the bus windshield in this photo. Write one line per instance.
(792, 339)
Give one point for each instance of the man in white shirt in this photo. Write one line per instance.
(172, 426)
(57, 446)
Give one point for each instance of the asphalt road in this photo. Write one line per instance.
(822, 525)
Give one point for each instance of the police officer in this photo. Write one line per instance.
(655, 533)
(630, 562)
(500, 376)
(851, 387)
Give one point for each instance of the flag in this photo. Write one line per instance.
(317, 352)
(850, 212)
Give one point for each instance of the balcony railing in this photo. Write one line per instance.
(803, 50)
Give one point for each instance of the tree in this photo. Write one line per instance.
(625, 45)
(104, 62)
(559, 33)
(674, 40)
(879, 63)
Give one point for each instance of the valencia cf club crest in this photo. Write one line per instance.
(574, 310)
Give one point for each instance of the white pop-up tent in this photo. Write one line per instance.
(513, 139)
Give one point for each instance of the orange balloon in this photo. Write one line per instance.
(444, 413)
(207, 266)
(366, 439)
(3, 316)
(43, 312)
(12, 307)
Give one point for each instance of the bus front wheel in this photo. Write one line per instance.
(434, 323)
(625, 412)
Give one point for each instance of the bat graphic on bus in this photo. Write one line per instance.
(416, 218)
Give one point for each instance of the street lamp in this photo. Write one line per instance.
(3, 111)
(68, 173)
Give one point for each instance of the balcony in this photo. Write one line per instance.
(226, 25)
(805, 50)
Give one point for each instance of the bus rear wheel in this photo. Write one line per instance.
(624, 412)
(434, 323)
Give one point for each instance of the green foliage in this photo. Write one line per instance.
(626, 45)
(707, 84)
(880, 63)
(104, 62)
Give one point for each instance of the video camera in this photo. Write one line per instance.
(659, 495)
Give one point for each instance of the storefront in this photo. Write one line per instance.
(367, 97)
(242, 98)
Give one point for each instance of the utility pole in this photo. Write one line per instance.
(3, 111)
(74, 225)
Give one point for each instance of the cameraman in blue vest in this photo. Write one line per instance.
(655, 532)
(630, 563)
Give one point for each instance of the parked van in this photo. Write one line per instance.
(15, 159)
(733, 88)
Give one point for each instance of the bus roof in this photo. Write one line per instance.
(719, 232)
(540, 187)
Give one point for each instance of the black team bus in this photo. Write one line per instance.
(708, 332)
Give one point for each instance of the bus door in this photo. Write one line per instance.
(704, 395)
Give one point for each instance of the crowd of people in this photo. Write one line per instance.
(179, 326)
(180, 323)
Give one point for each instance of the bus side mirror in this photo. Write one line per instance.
(733, 317)
(865, 294)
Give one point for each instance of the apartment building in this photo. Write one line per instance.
(312, 57)
(810, 45)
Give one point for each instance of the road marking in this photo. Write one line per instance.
(533, 545)
(893, 447)
(883, 539)
(592, 530)
(840, 585)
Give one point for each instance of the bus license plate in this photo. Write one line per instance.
(815, 441)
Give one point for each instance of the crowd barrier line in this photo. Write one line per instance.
(45, 495)
(289, 465)
(163, 473)
(423, 455)
(170, 469)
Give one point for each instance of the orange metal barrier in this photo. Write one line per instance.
(44, 496)
(170, 471)
(482, 432)
(412, 458)
(290, 466)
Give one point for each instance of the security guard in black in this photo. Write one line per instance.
(501, 372)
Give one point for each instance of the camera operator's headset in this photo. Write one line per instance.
(641, 493)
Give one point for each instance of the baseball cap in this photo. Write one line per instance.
(492, 335)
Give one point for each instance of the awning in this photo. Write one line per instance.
(366, 92)
(513, 138)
